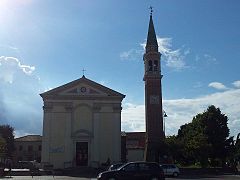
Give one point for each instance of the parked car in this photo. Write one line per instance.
(170, 170)
(134, 171)
(115, 166)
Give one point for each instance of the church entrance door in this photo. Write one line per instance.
(81, 154)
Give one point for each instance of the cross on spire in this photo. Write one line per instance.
(83, 70)
(151, 10)
(151, 38)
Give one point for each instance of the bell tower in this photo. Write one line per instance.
(153, 96)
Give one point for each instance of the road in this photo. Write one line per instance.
(220, 177)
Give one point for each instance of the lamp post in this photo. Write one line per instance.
(164, 116)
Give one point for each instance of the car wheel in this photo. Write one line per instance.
(154, 178)
(175, 174)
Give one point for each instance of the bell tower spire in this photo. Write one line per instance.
(153, 96)
(151, 37)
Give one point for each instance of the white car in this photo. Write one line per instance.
(170, 170)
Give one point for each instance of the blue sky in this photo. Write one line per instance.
(45, 44)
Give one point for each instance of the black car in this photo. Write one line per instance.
(115, 166)
(134, 171)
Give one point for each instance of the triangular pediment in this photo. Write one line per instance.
(82, 87)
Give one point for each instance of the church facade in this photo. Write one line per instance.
(81, 125)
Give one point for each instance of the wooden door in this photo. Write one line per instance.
(81, 154)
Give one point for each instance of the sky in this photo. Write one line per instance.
(45, 44)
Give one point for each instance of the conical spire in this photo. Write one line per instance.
(151, 38)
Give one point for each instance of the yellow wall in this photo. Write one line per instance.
(57, 144)
(82, 118)
(106, 136)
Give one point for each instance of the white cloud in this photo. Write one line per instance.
(133, 117)
(197, 58)
(203, 62)
(132, 54)
(181, 111)
(174, 58)
(210, 59)
(11, 66)
(19, 92)
(9, 47)
(236, 84)
(218, 85)
(198, 85)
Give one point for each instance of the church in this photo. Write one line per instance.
(82, 119)
(81, 125)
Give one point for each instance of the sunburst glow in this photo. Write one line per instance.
(8, 8)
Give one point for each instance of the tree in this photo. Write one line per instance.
(174, 149)
(217, 132)
(7, 133)
(206, 137)
(2, 146)
(236, 156)
(194, 142)
(231, 151)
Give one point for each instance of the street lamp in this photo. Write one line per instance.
(164, 116)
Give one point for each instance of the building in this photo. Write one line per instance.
(27, 148)
(153, 97)
(81, 125)
(135, 145)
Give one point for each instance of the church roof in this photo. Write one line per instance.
(29, 138)
(82, 87)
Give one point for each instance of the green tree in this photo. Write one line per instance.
(206, 137)
(174, 148)
(231, 151)
(217, 133)
(237, 150)
(7, 133)
(195, 142)
(2, 146)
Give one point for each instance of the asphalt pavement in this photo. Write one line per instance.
(217, 177)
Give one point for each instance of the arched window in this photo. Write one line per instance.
(155, 66)
(150, 68)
